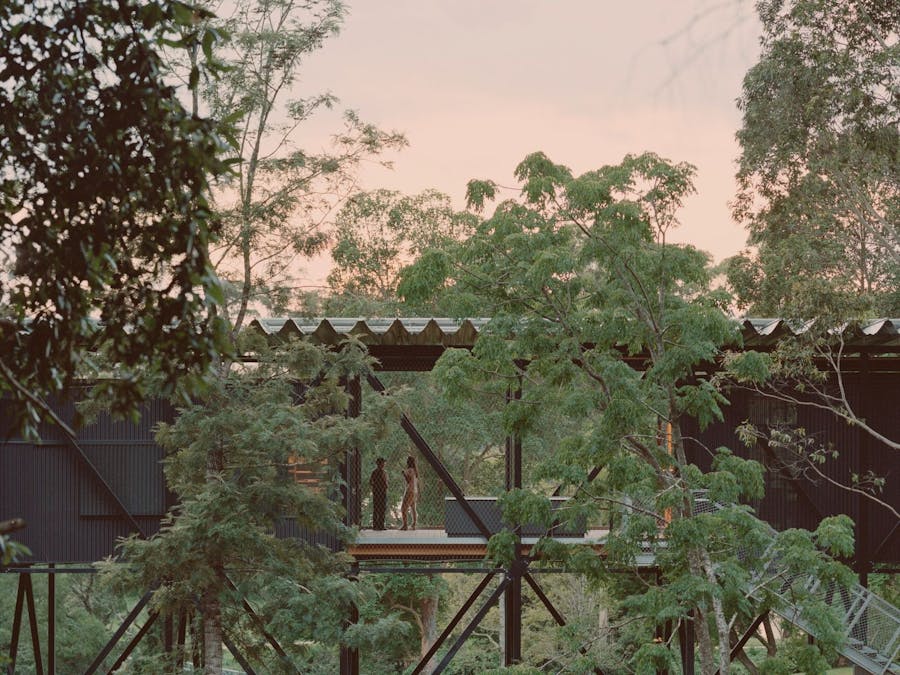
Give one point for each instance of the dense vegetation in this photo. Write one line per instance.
(174, 241)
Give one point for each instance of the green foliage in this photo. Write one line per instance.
(379, 232)
(105, 212)
(744, 477)
(613, 329)
(835, 535)
(478, 192)
(652, 658)
(87, 614)
(579, 279)
(502, 547)
(229, 460)
(818, 175)
(748, 366)
(11, 550)
(277, 209)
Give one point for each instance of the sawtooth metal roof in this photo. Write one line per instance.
(757, 332)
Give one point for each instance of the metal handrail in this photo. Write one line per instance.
(866, 617)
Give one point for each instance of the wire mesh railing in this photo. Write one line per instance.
(871, 624)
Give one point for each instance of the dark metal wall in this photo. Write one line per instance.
(68, 502)
(796, 498)
(72, 517)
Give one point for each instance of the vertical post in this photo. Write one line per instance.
(351, 473)
(51, 620)
(32, 622)
(512, 611)
(350, 655)
(686, 643)
(862, 521)
(17, 625)
(512, 597)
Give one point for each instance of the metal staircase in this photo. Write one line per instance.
(871, 623)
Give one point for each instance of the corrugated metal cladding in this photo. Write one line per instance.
(800, 498)
(757, 332)
(71, 516)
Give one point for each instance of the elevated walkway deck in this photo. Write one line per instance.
(435, 544)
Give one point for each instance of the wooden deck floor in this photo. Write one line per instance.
(437, 545)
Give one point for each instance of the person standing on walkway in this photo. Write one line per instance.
(411, 495)
(378, 483)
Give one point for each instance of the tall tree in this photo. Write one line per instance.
(104, 180)
(583, 286)
(233, 460)
(276, 210)
(819, 173)
(819, 192)
(377, 233)
(223, 467)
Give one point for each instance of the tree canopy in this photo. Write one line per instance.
(377, 233)
(605, 322)
(277, 209)
(819, 173)
(232, 477)
(104, 177)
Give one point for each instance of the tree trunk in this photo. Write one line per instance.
(428, 616)
(704, 639)
(719, 615)
(771, 644)
(212, 635)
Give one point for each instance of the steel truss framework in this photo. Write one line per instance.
(508, 591)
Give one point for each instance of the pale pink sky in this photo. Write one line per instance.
(478, 84)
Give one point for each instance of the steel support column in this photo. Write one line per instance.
(349, 656)
(17, 625)
(512, 616)
(352, 471)
(51, 620)
(351, 476)
(512, 598)
(862, 520)
(25, 593)
(686, 644)
(32, 624)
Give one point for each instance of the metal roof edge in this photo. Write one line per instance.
(881, 333)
